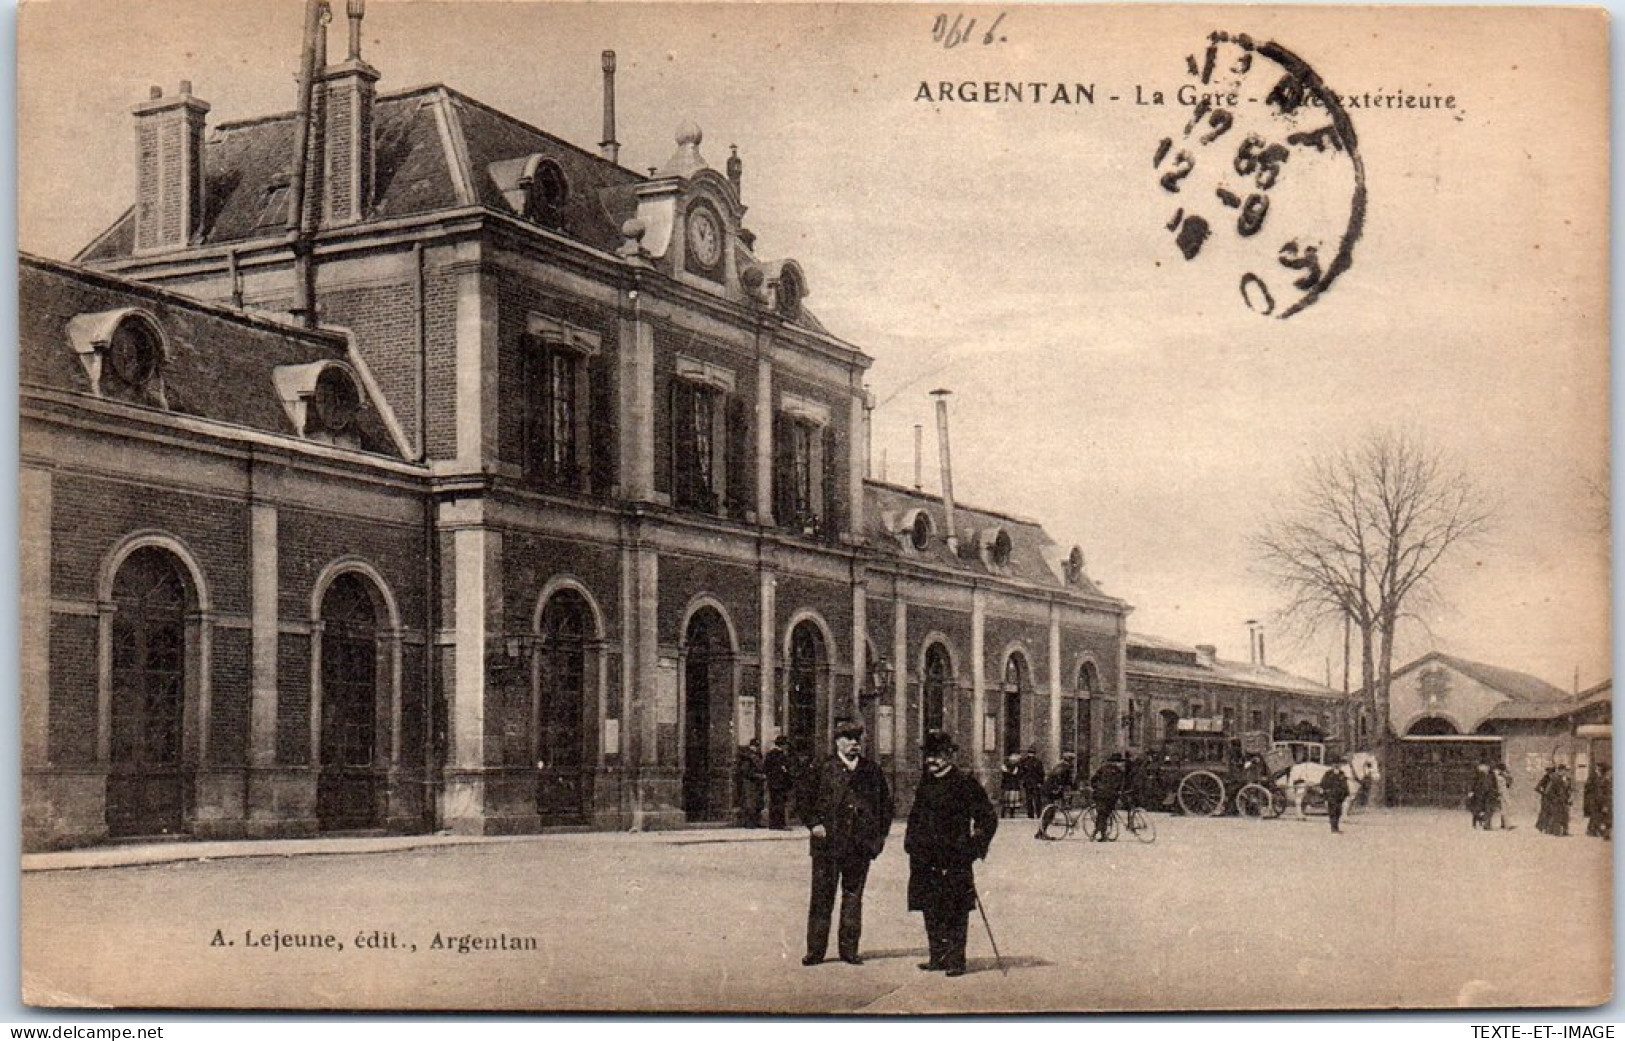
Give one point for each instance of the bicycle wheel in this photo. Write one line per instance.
(1139, 823)
(1053, 823)
(1114, 827)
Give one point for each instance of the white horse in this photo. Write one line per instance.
(1360, 770)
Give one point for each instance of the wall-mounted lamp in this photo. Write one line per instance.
(879, 679)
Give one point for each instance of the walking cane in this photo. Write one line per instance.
(985, 924)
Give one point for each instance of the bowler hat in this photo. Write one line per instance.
(848, 728)
(937, 743)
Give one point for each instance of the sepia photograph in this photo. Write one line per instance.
(787, 509)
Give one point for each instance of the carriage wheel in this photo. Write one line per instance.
(1255, 801)
(1139, 822)
(1201, 794)
(1053, 823)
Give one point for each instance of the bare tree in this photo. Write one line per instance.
(1361, 539)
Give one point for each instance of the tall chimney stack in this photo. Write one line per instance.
(919, 456)
(611, 147)
(947, 468)
(344, 165)
(169, 170)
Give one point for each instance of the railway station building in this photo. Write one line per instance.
(447, 475)
(1174, 688)
(1451, 713)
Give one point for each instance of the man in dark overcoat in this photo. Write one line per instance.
(1334, 786)
(780, 779)
(748, 785)
(949, 830)
(848, 811)
(1104, 788)
(1031, 772)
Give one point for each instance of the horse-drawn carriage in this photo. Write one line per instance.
(1200, 770)
(1203, 772)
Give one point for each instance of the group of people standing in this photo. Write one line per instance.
(1556, 790)
(774, 774)
(1021, 783)
(847, 808)
(1487, 797)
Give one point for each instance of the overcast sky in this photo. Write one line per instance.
(1017, 253)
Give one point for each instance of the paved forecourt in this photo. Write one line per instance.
(1407, 908)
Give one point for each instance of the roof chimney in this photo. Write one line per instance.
(947, 468)
(736, 168)
(1207, 653)
(345, 111)
(169, 170)
(610, 146)
(919, 456)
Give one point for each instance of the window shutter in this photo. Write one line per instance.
(830, 522)
(542, 387)
(740, 483)
(784, 496)
(600, 428)
(684, 481)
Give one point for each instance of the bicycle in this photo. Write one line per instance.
(1060, 817)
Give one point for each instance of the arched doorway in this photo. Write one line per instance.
(707, 716)
(561, 704)
(1088, 691)
(1015, 684)
(347, 795)
(146, 780)
(809, 665)
(938, 678)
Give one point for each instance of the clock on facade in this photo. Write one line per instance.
(704, 237)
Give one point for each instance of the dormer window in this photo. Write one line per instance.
(546, 191)
(334, 406)
(995, 548)
(916, 530)
(787, 298)
(122, 353)
(133, 355)
(322, 401)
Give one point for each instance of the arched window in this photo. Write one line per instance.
(346, 795)
(939, 674)
(1015, 684)
(145, 784)
(563, 679)
(807, 663)
(707, 713)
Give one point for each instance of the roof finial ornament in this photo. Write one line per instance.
(686, 161)
(357, 10)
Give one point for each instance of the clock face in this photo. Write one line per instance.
(704, 238)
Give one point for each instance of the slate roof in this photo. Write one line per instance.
(221, 359)
(1191, 668)
(1512, 709)
(1034, 556)
(419, 168)
(1519, 686)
